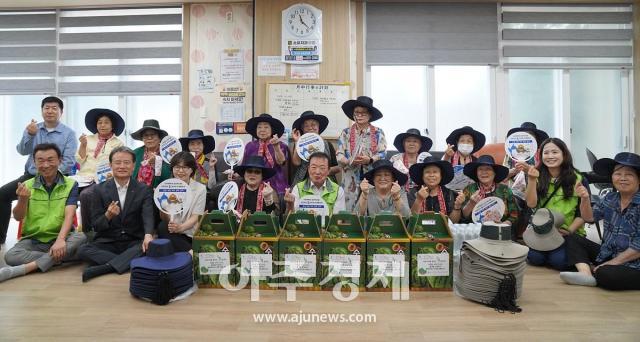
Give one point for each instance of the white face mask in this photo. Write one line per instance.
(465, 148)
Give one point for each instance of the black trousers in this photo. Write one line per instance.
(8, 195)
(611, 277)
(180, 242)
(118, 254)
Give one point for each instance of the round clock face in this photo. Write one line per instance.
(301, 21)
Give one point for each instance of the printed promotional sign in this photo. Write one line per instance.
(228, 197)
(460, 180)
(314, 204)
(233, 152)
(521, 146)
(488, 209)
(171, 195)
(422, 156)
(308, 144)
(103, 171)
(169, 147)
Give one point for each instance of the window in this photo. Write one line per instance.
(535, 96)
(400, 92)
(462, 98)
(16, 111)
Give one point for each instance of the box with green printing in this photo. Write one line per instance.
(300, 250)
(214, 250)
(343, 253)
(431, 248)
(388, 248)
(257, 246)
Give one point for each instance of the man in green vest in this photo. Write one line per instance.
(317, 184)
(46, 206)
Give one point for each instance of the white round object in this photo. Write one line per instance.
(228, 197)
(521, 146)
(422, 156)
(169, 147)
(233, 152)
(308, 144)
(171, 196)
(488, 209)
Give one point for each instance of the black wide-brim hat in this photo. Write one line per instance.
(605, 166)
(471, 169)
(310, 115)
(539, 134)
(151, 124)
(384, 164)
(255, 162)
(446, 170)
(92, 116)
(361, 101)
(208, 142)
(398, 142)
(478, 138)
(277, 127)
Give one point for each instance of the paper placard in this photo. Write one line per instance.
(308, 144)
(262, 262)
(206, 80)
(228, 197)
(388, 265)
(313, 204)
(271, 66)
(300, 265)
(232, 103)
(460, 180)
(169, 147)
(171, 195)
(233, 152)
(433, 265)
(103, 171)
(521, 146)
(305, 72)
(232, 66)
(488, 209)
(344, 265)
(214, 263)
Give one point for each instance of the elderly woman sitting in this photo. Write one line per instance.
(431, 176)
(387, 194)
(614, 265)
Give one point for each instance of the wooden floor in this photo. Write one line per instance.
(58, 306)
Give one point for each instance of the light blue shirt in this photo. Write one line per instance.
(62, 136)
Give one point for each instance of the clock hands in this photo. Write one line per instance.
(302, 21)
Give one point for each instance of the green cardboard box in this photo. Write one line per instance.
(257, 242)
(300, 248)
(388, 245)
(214, 250)
(343, 252)
(431, 253)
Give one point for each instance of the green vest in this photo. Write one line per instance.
(45, 213)
(565, 206)
(329, 195)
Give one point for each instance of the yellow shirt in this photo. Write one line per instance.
(89, 163)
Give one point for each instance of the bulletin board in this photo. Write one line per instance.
(286, 101)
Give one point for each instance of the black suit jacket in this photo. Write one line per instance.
(136, 216)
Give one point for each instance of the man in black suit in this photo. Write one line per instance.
(123, 219)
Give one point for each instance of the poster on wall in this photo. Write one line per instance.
(232, 103)
(305, 72)
(206, 80)
(301, 34)
(271, 66)
(232, 66)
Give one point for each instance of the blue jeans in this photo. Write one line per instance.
(556, 258)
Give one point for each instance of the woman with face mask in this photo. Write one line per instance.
(461, 144)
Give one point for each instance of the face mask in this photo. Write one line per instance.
(465, 148)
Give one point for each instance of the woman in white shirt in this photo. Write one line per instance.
(106, 125)
(181, 227)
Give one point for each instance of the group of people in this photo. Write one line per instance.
(357, 176)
